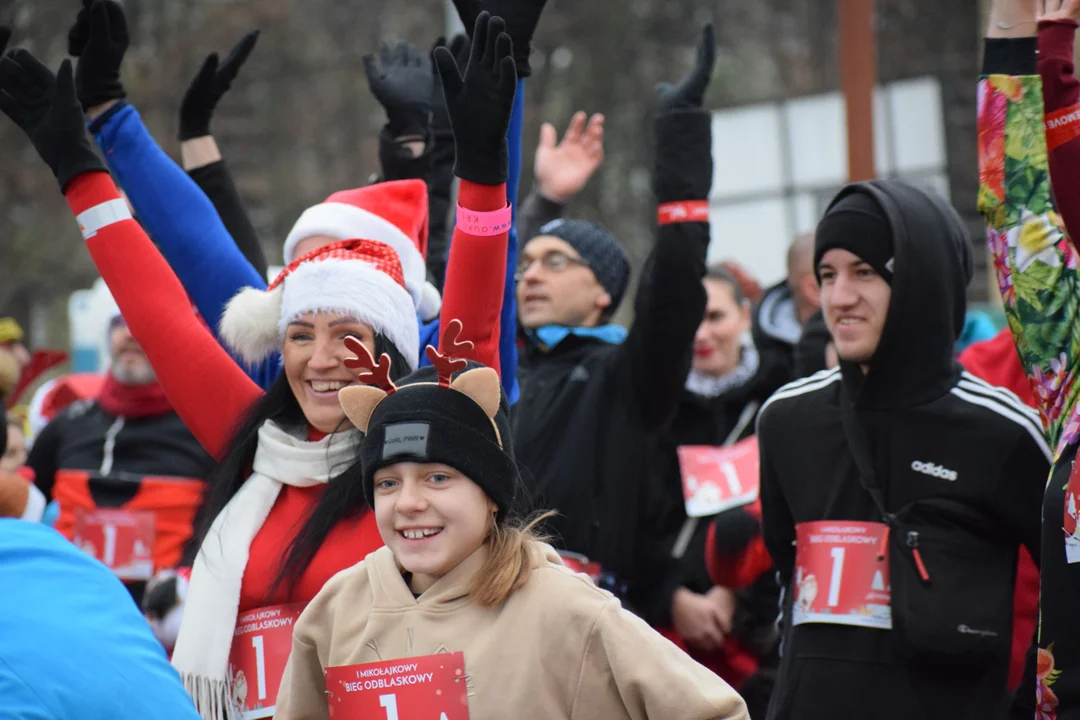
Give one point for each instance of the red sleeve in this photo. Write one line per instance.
(207, 389)
(476, 275)
(1061, 91)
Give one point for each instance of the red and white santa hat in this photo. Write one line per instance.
(395, 213)
(361, 278)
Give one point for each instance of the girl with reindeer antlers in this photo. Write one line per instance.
(286, 510)
(465, 613)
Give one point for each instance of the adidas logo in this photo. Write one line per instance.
(933, 470)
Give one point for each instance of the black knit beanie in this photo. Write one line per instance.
(599, 249)
(424, 422)
(857, 223)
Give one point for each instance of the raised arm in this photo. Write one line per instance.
(670, 300)
(169, 204)
(1034, 262)
(201, 157)
(203, 384)
(479, 106)
(561, 170)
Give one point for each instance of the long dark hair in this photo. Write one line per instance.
(343, 497)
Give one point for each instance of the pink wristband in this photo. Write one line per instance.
(496, 222)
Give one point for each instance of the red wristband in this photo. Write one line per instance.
(1062, 126)
(485, 224)
(683, 211)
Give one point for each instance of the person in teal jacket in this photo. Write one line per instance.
(73, 646)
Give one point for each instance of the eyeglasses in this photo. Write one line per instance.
(554, 261)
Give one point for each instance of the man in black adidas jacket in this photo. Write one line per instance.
(953, 467)
(590, 405)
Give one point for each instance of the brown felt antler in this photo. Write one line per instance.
(444, 362)
(367, 370)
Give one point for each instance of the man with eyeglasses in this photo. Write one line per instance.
(593, 395)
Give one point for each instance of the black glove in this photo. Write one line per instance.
(48, 111)
(5, 35)
(209, 86)
(690, 92)
(521, 17)
(440, 121)
(684, 167)
(480, 104)
(99, 39)
(403, 86)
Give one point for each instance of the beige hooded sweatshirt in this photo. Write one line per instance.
(557, 648)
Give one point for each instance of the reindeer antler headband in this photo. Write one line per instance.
(359, 401)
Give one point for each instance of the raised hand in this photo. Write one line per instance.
(520, 16)
(480, 102)
(684, 166)
(402, 82)
(562, 170)
(99, 39)
(690, 92)
(460, 48)
(47, 109)
(210, 84)
(1057, 10)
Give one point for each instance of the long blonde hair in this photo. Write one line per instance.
(513, 551)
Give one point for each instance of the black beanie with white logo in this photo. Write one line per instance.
(423, 421)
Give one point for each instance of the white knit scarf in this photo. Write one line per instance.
(206, 631)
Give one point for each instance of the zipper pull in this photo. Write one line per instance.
(883, 546)
(913, 543)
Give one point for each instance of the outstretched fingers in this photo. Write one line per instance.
(448, 73)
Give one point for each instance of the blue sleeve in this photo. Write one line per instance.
(508, 360)
(182, 221)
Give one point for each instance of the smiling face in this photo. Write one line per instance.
(431, 516)
(855, 302)
(314, 357)
(555, 287)
(718, 342)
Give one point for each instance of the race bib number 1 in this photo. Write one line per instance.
(842, 574)
(121, 539)
(716, 479)
(261, 645)
(432, 687)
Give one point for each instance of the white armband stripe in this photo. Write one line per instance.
(102, 215)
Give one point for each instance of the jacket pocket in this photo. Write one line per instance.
(952, 594)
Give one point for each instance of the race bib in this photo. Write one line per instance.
(121, 539)
(260, 648)
(842, 574)
(716, 479)
(432, 687)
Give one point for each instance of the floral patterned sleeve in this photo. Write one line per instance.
(1035, 264)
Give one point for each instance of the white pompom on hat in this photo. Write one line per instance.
(361, 278)
(395, 213)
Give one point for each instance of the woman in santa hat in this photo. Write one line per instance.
(278, 527)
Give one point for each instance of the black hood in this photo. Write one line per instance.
(915, 362)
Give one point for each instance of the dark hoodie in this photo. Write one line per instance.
(918, 409)
(776, 329)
